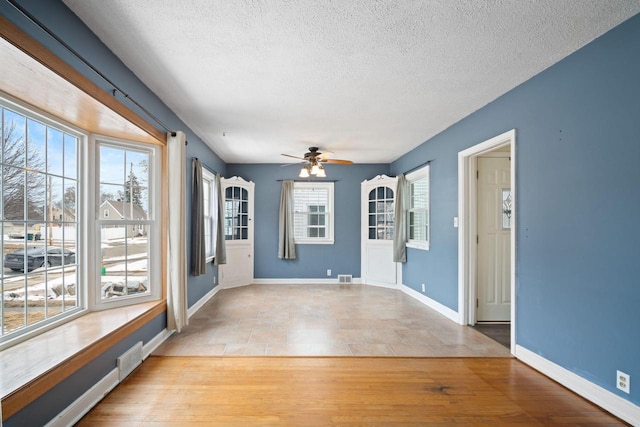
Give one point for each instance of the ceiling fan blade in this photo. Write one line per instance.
(293, 157)
(338, 161)
(325, 155)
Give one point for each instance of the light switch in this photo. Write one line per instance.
(455, 221)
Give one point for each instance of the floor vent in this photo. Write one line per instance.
(129, 360)
(345, 278)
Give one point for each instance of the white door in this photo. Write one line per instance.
(378, 202)
(238, 231)
(494, 238)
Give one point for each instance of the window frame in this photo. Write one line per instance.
(81, 308)
(153, 223)
(213, 218)
(412, 178)
(329, 214)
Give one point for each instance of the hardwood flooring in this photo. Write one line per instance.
(341, 391)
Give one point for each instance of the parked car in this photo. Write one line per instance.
(36, 258)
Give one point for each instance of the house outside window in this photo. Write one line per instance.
(313, 212)
(129, 235)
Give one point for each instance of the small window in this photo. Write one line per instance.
(313, 212)
(106, 213)
(418, 214)
(210, 200)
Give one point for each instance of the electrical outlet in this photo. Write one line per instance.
(328, 272)
(623, 381)
(423, 288)
(214, 280)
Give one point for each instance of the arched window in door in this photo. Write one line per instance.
(236, 213)
(381, 216)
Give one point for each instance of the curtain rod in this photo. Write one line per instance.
(213, 171)
(116, 88)
(418, 167)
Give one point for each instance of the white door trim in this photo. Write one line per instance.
(467, 212)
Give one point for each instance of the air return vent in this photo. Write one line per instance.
(345, 278)
(130, 360)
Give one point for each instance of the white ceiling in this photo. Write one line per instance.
(368, 80)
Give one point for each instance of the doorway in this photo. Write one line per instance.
(486, 238)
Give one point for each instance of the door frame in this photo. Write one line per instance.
(364, 230)
(467, 228)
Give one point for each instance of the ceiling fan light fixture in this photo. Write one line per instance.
(321, 173)
(304, 172)
(315, 169)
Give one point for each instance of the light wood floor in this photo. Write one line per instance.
(340, 391)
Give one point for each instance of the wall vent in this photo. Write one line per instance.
(129, 360)
(345, 278)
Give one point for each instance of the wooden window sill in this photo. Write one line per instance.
(31, 368)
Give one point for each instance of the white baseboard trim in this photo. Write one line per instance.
(431, 303)
(383, 285)
(155, 342)
(202, 301)
(74, 412)
(602, 397)
(330, 281)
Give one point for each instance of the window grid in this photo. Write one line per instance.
(418, 213)
(236, 213)
(381, 213)
(313, 212)
(38, 221)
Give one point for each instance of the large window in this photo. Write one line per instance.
(56, 256)
(39, 221)
(126, 235)
(313, 212)
(418, 214)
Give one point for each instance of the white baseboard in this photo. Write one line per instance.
(155, 342)
(602, 397)
(383, 285)
(74, 412)
(431, 303)
(202, 301)
(329, 281)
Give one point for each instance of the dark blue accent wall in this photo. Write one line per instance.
(578, 206)
(343, 257)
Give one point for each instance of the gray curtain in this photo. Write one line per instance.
(286, 245)
(198, 247)
(400, 225)
(221, 249)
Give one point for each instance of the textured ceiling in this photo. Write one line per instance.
(368, 80)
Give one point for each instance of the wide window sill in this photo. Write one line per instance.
(314, 242)
(31, 368)
(420, 246)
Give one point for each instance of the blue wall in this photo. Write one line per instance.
(343, 257)
(578, 206)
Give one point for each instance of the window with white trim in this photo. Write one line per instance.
(39, 222)
(210, 201)
(418, 213)
(129, 240)
(313, 212)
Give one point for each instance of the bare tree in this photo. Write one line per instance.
(17, 182)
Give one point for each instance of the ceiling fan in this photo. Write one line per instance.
(314, 160)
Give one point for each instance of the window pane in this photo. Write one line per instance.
(54, 152)
(70, 147)
(112, 164)
(36, 196)
(36, 147)
(13, 139)
(13, 190)
(69, 201)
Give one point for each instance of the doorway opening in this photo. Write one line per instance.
(487, 214)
